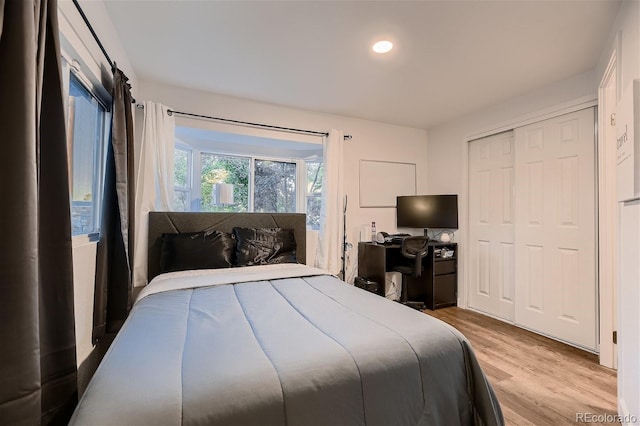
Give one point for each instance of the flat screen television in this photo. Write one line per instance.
(427, 211)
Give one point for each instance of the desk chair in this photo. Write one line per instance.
(415, 248)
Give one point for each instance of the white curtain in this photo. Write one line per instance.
(154, 178)
(329, 250)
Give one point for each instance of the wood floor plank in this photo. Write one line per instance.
(538, 381)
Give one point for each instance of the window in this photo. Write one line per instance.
(224, 169)
(182, 179)
(275, 187)
(86, 135)
(315, 175)
(272, 189)
(263, 174)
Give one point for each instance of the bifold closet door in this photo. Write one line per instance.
(555, 231)
(491, 225)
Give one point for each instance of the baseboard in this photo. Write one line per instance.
(622, 407)
(626, 418)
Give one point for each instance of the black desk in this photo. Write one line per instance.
(438, 285)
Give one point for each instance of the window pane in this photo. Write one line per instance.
(275, 187)
(315, 177)
(313, 211)
(181, 168)
(86, 132)
(315, 174)
(224, 169)
(180, 200)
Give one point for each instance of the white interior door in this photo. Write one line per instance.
(555, 230)
(491, 225)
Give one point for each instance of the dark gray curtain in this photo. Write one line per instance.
(115, 249)
(37, 335)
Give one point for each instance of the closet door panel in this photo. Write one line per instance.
(491, 221)
(555, 231)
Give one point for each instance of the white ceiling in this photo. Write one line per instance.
(450, 57)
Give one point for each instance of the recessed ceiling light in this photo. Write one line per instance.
(382, 46)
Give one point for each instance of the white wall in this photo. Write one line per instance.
(84, 261)
(96, 68)
(447, 159)
(627, 28)
(371, 140)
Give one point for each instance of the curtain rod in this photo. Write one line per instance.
(248, 123)
(95, 37)
(93, 33)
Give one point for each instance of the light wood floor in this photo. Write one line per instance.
(537, 380)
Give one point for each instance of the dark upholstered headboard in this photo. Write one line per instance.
(174, 222)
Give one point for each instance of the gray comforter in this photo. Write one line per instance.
(307, 350)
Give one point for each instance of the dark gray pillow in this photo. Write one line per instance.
(196, 250)
(262, 246)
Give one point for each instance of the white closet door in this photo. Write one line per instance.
(491, 225)
(555, 228)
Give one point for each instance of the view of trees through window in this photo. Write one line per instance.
(315, 174)
(260, 184)
(225, 169)
(182, 180)
(275, 187)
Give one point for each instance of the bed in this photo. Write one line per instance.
(278, 344)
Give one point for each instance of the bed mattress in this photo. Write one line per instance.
(283, 345)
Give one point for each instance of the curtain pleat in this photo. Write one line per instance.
(154, 179)
(329, 250)
(114, 264)
(38, 357)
